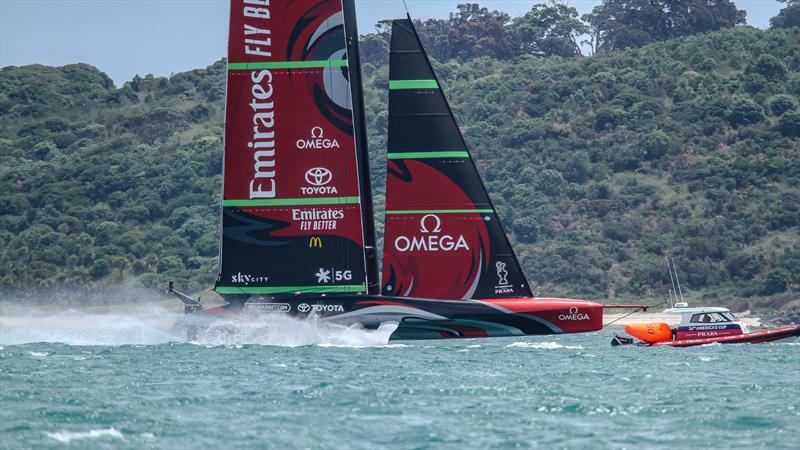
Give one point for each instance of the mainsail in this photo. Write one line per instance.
(297, 212)
(443, 239)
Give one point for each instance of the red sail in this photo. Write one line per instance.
(443, 238)
(292, 215)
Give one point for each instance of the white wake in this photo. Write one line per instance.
(151, 325)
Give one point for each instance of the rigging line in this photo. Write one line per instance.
(677, 280)
(672, 280)
(620, 318)
(634, 311)
(405, 5)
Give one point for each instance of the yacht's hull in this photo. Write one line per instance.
(747, 338)
(422, 318)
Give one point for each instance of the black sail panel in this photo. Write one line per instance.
(443, 238)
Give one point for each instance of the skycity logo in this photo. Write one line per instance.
(247, 279)
(318, 178)
(574, 314)
(317, 141)
(430, 226)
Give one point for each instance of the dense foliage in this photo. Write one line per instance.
(554, 29)
(789, 16)
(600, 167)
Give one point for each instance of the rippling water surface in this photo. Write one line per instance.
(77, 380)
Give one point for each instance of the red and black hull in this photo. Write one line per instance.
(423, 318)
(749, 338)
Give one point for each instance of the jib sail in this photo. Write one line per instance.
(443, 238)
(294, 195)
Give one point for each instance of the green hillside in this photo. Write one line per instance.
(600, 166)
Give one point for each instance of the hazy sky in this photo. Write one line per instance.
(126, 37)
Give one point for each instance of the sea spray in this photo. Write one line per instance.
(284, 331)
(152, 325)
(147, 325)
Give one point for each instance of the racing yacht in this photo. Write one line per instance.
(297, 225)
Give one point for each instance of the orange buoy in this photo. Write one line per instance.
(650, 332)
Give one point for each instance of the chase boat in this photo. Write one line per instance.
(699, 326)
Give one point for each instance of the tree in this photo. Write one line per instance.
(100, 268)
(776, 281)
(470, 32)
(781, 103)
(745, 112)
(789, 124)
(549, 29)
(787, 17)
(619, 24)
(769, 67)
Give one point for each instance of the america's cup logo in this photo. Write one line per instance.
(502, 273)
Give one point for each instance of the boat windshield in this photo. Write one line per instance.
(710, 318)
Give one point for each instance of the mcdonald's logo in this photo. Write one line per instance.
(315, 242)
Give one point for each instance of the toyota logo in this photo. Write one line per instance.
(304, 307)
(319, 176)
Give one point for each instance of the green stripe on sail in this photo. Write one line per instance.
(349, 289)
(293, 202)
(441, 211)
(428, 155)
(413, 84)
(289, 64)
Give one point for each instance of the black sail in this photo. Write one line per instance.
(443, 238)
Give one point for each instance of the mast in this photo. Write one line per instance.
(677, 280)
(362, 148)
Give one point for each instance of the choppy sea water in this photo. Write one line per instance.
(85, 381)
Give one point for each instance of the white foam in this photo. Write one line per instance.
(38, 354)
(543, 345)
(67, 436)
(146, 326)
(153, 326)
(284, 331)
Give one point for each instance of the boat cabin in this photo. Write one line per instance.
(704, 322)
